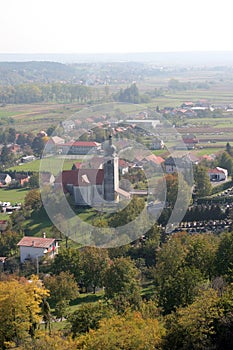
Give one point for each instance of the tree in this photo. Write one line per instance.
(11, 135)
(38, 146)
(201, 253)
(169, 189)
(177, 282)
(129, 213)
(122, 284)
(226, 161)
(93, 263)
(130, 95)
(192, 327)
(55, 341)
(8, 243)
(130, 331)
(67, 260)
(63, 288)
(224, 256)
(88, 316)
(34, 181)
(229, 149)
(50, 130)
(20, 309)
(202, 182)
(32, 200)
(6, 155)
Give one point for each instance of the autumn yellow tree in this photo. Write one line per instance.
(127, 332)
(20, 310)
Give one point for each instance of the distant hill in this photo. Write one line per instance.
(14, 73)
(89, 73)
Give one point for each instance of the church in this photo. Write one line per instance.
(95, 186)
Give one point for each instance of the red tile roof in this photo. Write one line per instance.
(36, 242)
(215, 171)
(81, 177)
(155, 159)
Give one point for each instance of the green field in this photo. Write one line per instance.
(14, 195)
(50, 164)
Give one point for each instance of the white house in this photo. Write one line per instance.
(218, 174)
(5, 179)
(32, 248)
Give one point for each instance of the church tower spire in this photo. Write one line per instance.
(111, 171)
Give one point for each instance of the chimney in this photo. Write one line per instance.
(33, 243)
(44, 235)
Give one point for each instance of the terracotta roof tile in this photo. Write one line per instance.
(36, 242)
(81, 177)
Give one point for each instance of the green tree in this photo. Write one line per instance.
(32, 200)
(122, 284)
(202, 182)
(201, 253)
(192, 327)
(229, 149)
(38, 146)
(34, 181)
(168, 190)
(88, 316)
(6, 155)
(67, 260)
(93, 263)
(63, 288)
(177, 282)
(8, 243)
(224, 256)
(225, 161)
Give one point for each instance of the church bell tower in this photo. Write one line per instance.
(111, 171)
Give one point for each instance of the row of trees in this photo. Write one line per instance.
(34, 93)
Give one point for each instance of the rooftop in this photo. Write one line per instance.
(36, 242)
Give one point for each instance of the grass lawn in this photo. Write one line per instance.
(14, 195)
(50, 164)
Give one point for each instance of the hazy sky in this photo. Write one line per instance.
(91, 26)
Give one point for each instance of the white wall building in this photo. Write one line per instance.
(32, 248)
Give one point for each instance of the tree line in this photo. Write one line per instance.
(35, 93)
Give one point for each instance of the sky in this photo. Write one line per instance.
(120, 26)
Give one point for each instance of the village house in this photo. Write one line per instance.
(27, 159)
(79, 147)
(152, 159)
(5, 179)
(173, 165)
(157, 144)
(32, 248)
(53, 142)
(22, 179)
(218, 174)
